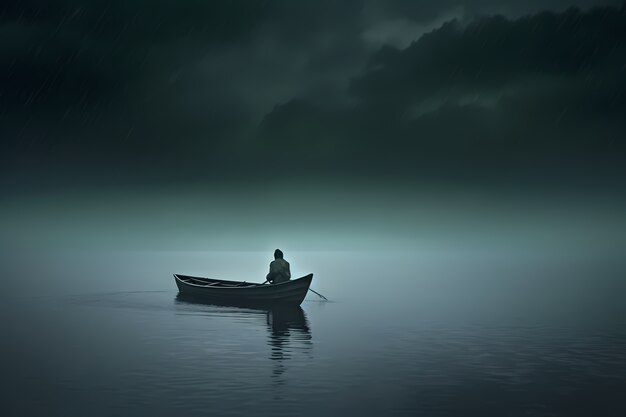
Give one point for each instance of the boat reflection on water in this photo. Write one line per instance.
(289, 335)
(288, 328)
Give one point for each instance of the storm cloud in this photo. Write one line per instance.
(147, 89)
(493, 91)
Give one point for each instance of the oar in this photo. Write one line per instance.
(318, 294)
(309, 290)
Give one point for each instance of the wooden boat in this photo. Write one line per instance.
(242, 292)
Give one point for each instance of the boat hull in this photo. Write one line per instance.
(243, 293)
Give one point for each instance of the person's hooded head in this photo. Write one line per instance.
(278, 254)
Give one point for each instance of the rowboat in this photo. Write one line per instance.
(241, 292)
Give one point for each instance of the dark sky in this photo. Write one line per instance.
(157, 90)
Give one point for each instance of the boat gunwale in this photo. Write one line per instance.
(251, 284)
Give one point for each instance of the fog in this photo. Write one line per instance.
(349, 216)
(441, 251)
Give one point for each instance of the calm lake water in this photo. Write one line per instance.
(405, 333)
(441, 304)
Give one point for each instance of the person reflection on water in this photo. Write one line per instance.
(279, 269)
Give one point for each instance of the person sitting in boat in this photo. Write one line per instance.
(279, 269)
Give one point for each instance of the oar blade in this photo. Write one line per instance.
(315, 292)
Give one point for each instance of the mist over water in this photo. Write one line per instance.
(444, 302)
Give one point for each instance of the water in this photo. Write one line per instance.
(442, 304)
(405, 333)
